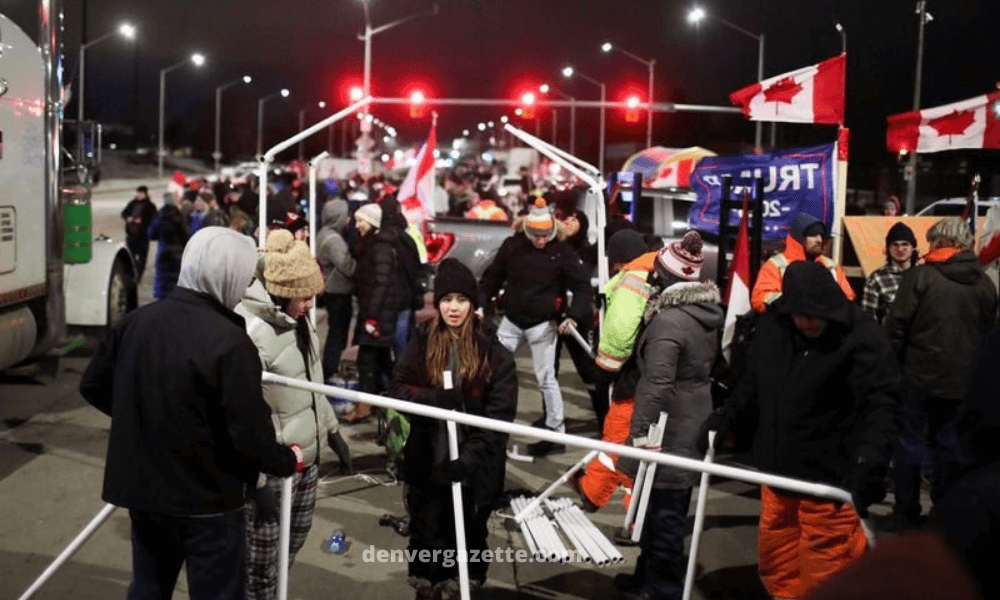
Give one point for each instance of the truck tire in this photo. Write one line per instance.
(122, 294)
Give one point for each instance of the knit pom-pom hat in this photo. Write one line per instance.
(682, 259)
(370, 213)
(289, 270)
(539, 221)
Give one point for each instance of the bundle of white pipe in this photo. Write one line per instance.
(588, 529)
(588, 548)
(537, 527)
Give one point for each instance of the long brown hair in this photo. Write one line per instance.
(439, 340)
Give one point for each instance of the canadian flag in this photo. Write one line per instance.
(738, 292)
(176, 184)
(972, 123)
(814, 94)
(416, 195)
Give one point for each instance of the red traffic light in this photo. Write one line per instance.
(528, 105)
(632, 109)
(418, 104)
(356, 93)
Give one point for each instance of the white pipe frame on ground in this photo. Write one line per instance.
(576, 516)
(699, 521)
(268, 156)
(555, 484)
(819, 490)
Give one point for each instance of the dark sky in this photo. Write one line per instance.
(488, 48)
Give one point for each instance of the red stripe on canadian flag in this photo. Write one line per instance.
(972, 123)
(738, 292)
(813, 94)
(416, 194)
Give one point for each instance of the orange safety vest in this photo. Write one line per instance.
(768, 286)
(486, 210)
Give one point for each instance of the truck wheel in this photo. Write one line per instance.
(121, 292)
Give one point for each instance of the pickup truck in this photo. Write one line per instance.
(475, 242)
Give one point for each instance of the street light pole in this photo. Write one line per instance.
(198, 60)
(125, 30)
(696, 16)
(546, 88)
(569, 72)
(650, 64)
(911, 182)
(260, 118)
(217, 155)
(302, 127)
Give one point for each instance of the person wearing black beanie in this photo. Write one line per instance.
(453, 363)
(881, 286)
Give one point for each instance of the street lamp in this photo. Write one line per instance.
(570, 72)
(697, 15)
(260, 118)
(197, 60)
(125, 30)
(366, 37)
(302, 125)
(911, 182)
(545, 89)
(606, 47)
(217, 155)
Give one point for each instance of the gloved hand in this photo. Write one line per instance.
(718, 422)
(450, 399)
(265, 506)
(343, 452)
(299, 464)
(371, 326)
(866, 482)
(565, 326)
(456, 471)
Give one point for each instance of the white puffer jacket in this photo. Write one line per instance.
(300, 417)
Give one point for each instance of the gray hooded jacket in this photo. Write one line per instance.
(675, 354)
(219, 262)
(331, 250)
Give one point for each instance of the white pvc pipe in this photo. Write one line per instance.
(579, 338)
(313, 217)
(606, 546)
(268, 156)
(555, 484)
(819, 490)
(70, 550)
(633, 506)
(647, 485)
(699, 520)
(284, 537)
(456, 499)
(574, 539)
(525, 529)
(576, 536)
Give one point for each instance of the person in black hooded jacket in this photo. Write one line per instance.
(824, 389)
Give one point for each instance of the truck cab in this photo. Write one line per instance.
(53, 273)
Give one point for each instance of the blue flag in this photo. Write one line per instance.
(795, 180)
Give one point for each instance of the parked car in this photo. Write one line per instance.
(953, 207)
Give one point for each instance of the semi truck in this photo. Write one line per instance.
(54, 275)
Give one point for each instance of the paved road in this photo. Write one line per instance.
(52, 447)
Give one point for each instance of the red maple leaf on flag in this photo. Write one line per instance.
(954, 123)
(783, 90)
(666, 172)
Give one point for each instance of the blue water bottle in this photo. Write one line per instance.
(337, 542)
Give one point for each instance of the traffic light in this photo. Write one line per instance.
(418, 104)
(632, 109)
(528, 105)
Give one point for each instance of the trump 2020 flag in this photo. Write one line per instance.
(738, 292)
(416, 195)
(813, 94)
(972, 123)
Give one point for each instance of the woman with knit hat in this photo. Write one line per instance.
(379, 300)
(453, 347)
(276, 308)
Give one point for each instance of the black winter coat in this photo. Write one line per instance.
(493, 395)
(940, 314)
(189, 426)
(170, 229)
(377, 284)
(537, 281)
(819, 404)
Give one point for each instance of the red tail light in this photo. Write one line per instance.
(438, 245)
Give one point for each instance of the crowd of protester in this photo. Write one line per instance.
(829, 390)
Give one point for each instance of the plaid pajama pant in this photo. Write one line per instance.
(262, 541)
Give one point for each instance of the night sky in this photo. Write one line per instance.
(477, 48)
